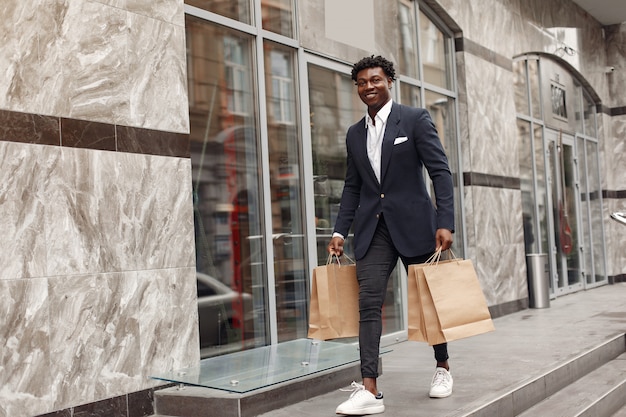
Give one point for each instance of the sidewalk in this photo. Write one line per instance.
(525, 345)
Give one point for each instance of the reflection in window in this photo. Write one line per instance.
(281, 99)
(594, 195)
(526, 184)
(237, 67)
(227, 209)
(278, 16)
(287, 200)
(435, 51)
(407, 64)
(589, 111)
(234, 9)
(442, 112)
(535, 94)
(410, 95)
(521, 87)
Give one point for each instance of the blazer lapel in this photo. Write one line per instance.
(391, 132)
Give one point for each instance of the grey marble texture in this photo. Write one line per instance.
(491, 119)
(105, 257)
(106, 61)
(111, 332)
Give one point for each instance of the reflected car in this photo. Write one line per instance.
(224, 315)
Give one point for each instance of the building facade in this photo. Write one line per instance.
(170, 172)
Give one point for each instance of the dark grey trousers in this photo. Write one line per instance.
(373, 272)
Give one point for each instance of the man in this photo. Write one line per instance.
(385, 196)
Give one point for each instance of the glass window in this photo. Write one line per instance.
(224, 140)
(237, 68)
(535, 94)
(587, 253)
(521, 87)
(435, 53)
(290, 264)
(407, 63)
(334, 106)
(234, 9)
(442, 111)
(594, 192)
(280, 81)
(410, 95)
(542, 187)
(589, 111)
(577, 100)
(278, 16)
(526, 183)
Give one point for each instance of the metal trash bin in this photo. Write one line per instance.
(538, 285)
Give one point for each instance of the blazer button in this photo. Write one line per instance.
(377, 216)
(382, 196)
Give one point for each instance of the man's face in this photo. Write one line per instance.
(374, 87)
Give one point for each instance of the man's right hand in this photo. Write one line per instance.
(335, 247)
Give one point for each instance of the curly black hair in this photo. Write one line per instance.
(373, 62)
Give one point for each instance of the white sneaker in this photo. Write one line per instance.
(441, 385)
(361, 402)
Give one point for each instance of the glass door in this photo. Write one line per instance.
(565, 262)
(334, 106)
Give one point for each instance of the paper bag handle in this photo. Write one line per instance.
(334, 256)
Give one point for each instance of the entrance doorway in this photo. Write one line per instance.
(565, 256)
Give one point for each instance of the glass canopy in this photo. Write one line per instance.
(248, 370)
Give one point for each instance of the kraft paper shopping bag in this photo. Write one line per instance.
(423, 323)
(334, 304)
(458, 300)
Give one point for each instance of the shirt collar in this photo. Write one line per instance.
(383, 114)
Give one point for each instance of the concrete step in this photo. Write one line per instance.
(600, 393)
(620, 413)
(515, 400)
(592, 382)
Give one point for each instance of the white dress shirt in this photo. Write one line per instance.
(375, 133)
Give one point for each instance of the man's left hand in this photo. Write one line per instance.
(443, 239)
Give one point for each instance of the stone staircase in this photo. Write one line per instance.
(592, 384)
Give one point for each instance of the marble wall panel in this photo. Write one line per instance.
(112, 212)
(158, 67)
(498, 216)
(502, 273)
(24, 174)
(25, 382)
(491, 119)
(171, 11)
(499, 243)
(469, 223)
(615, 160)
(71, 340)
(78, 59)
(494, 232)
(616, 57)
(20, 83)
(169, 335)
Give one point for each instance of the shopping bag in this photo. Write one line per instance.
(423, 323)
(334, 304)
(458, 299)
(452, 305)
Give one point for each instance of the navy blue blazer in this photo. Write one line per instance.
(410, 143)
